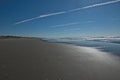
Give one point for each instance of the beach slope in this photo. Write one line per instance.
(33, 59)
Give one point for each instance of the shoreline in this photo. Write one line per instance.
(64, 43)
(106, 49)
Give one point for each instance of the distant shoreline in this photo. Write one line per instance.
(18, 37)
(8, 37)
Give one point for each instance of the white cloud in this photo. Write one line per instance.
(72, 10)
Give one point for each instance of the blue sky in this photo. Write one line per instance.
(60, 18)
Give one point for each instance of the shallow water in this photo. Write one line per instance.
(112, 48)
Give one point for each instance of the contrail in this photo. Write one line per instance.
(67, 24)
(94, 5)
(68, 11)
(70, 24)
(41, 16)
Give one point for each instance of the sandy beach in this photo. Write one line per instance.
(33, 59)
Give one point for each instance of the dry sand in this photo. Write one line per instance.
(32, 59)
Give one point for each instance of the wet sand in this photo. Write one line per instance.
(32, 59)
